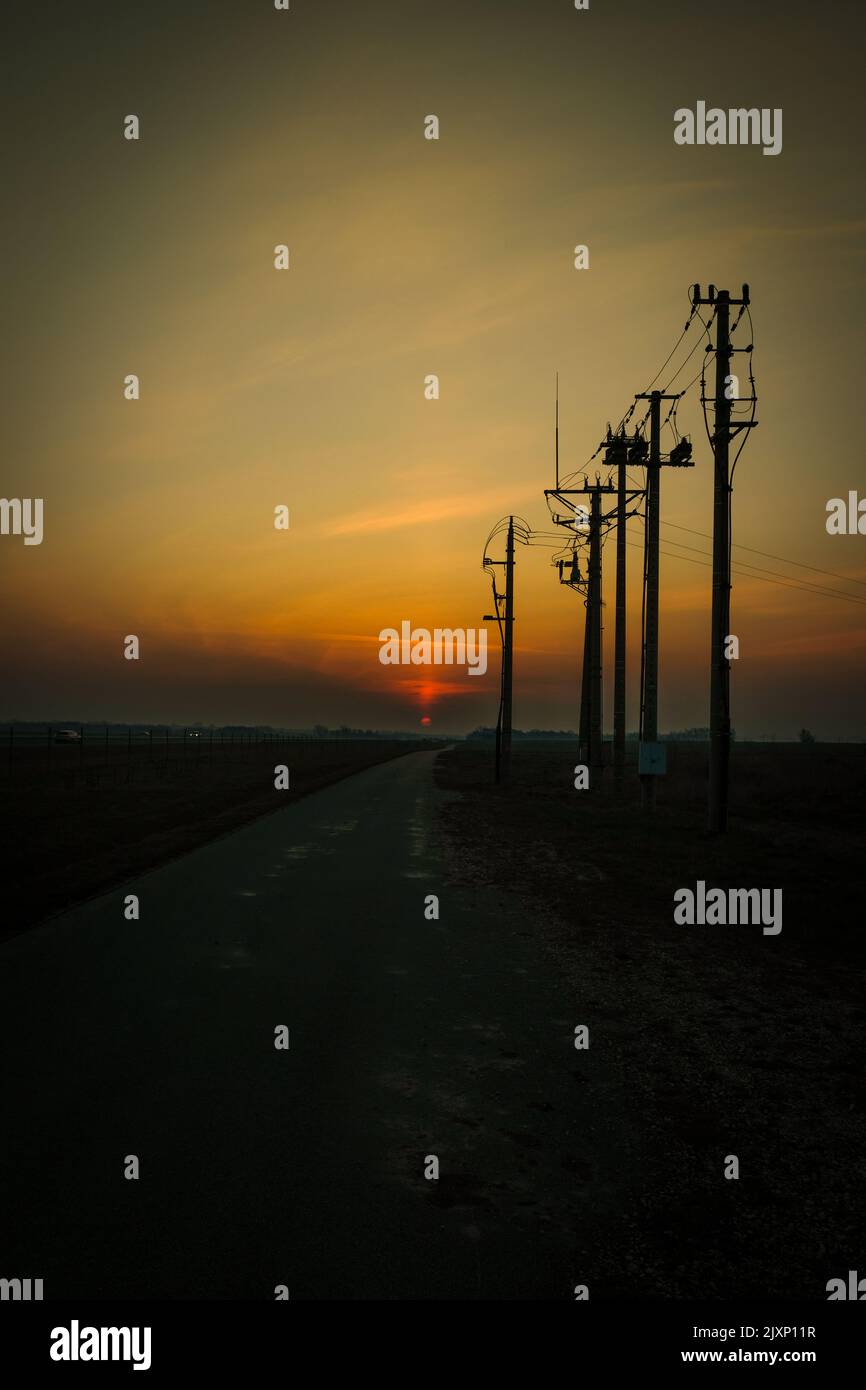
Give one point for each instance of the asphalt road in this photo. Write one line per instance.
(303, 1167)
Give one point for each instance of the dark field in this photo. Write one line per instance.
(74, 822)
(705, 1041)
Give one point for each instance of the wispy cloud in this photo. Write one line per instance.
(425, 512)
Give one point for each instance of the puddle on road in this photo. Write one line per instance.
(297, 852)
(419, 827)
(338, 827)
(418, 837)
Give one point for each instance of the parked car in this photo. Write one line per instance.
(67, 736)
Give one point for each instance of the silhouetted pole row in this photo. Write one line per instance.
(622, 450)
(591, 730)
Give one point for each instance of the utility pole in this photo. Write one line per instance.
(575, 581)
(650, 694)
(507, 655)
(591, 720)
(583, 728)
(651, 632)
(720, 670)
(617, 453)
(503, 616)
(596, 729)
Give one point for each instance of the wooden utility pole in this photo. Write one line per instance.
(720, 669)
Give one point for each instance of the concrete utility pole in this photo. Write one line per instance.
(574, 580)
(503, 616)
(651, 541)
(583, 728)
(650, 664)
(507, 655)
(720, 670)
(596, 720)
(591, 721)
(617, 454)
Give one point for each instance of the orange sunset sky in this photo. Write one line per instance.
(411, 257)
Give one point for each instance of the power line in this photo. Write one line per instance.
(744, 570)
(680, 367)
(805, 585)
(767, 556)
(631, 409)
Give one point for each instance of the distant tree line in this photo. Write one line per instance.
(484, 733)
(674, 736)
(228, 730)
